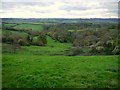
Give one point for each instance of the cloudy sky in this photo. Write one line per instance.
(59, 9)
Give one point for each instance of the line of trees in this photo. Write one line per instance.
(102, 39)
(23, 40)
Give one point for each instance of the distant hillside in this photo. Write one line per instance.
(61, 20)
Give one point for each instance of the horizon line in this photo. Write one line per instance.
(58, 18)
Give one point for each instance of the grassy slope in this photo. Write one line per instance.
(52, 47)
(10, 25)
(15, 32)
(29, 26)
(24, 70)
(30, 71)
(56, 46)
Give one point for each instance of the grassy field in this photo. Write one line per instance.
(15, 32)
(48, 67)
(10, 25)
(51, 48)
(29, 26)
(31, 71)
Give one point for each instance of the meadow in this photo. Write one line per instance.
(33, 67)
(34, 71)
(50, 66)
(29, 26)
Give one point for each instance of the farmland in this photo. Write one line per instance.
(51, 55)
(29, 26)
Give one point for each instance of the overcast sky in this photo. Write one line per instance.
(59, 9)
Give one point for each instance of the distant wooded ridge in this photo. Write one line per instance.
(64, 20)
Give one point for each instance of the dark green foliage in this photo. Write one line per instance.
(29, 38)
(37, 43)
(61, 36)
(23, 42)
(76, 50)
(9, 37)
(109, 47)
(42, 38)
(112, 69)
(95, 36)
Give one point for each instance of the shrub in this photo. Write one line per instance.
(76, 50)
(37, 43)
(23, 42)
(42, 39)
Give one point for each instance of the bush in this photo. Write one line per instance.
(76, 50)
(116, 50)
(42, 39)
(23, 42)
(37, 43)
(97, 50)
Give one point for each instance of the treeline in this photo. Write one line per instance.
(61, 20)
(78, 26)
(104, 40)
(100, 38)
(23, 40)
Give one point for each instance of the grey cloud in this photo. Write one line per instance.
(60, 0)
(108, 5)
(10, 5)
(111, 7)
(69, 8)
(43, 11)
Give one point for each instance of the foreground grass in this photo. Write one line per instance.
(31, 71)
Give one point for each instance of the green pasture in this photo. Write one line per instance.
(37, 27)
(52, 47)
(29, 69)
(48, 67)
(14, 32)
(9, 24)
(33, 71)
